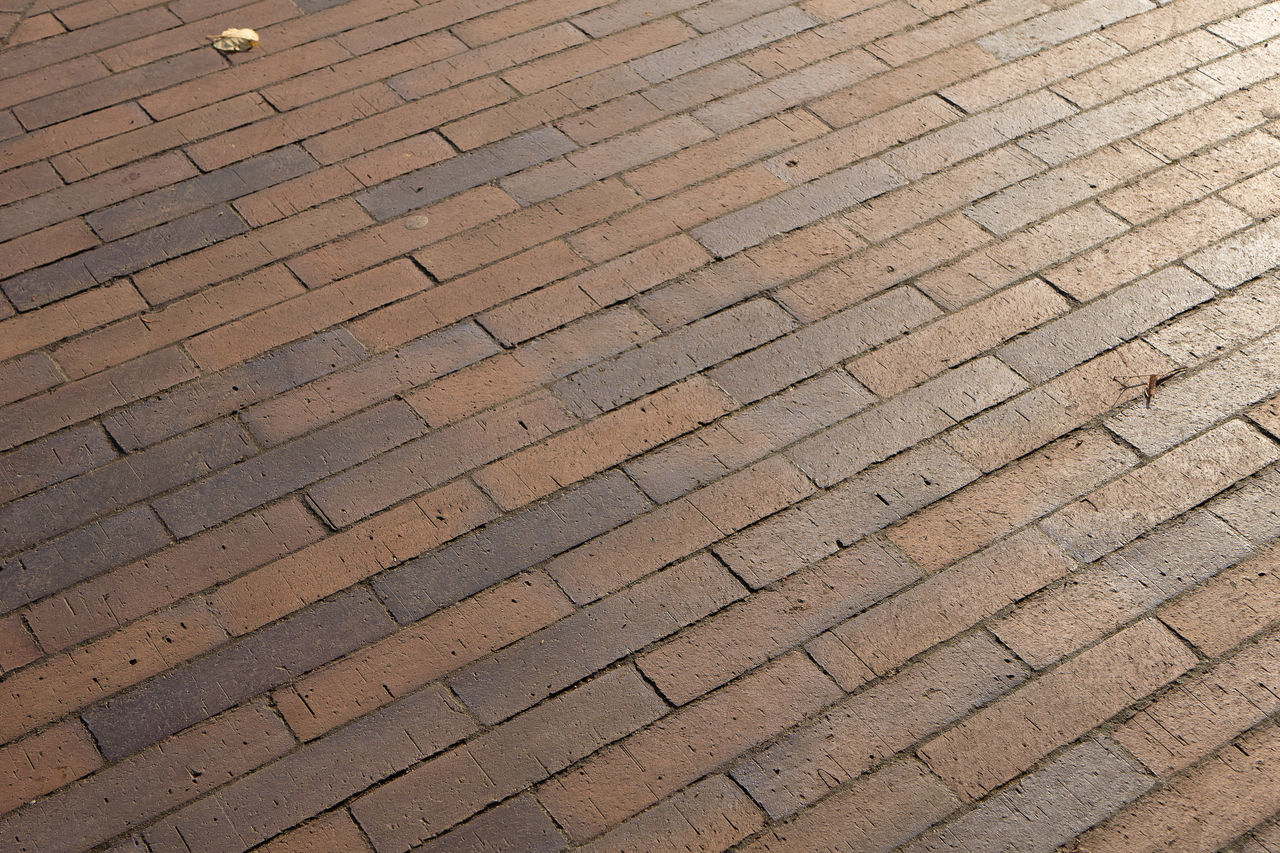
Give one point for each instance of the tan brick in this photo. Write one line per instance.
(1205, 809)
(1095, 601)
(1231, 607)
(1002, 502)
(1006, 738)
(635, 773)
(894, 631)
(595, 55)
(1011, 79)
(960, 26)
(1137, 70)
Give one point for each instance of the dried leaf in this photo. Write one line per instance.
(235, 40)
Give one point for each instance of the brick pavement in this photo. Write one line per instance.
(648, 425)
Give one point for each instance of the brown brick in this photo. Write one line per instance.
(249, 810)
(1173, 483)
(58, 457)
(1209, 806)
(45, 246)
(747, 436)
(26, 375)
(712, 814)
(631, 775)
(1025, 490)
(17, 646)
(335, 563)
(26, 181)
(1198, 716)
(877, 812)
(1097, 600)
(862, 731)
(722, 646)
(518, 824)
(115, 598)
(677, 529)
(45, 762)
(141, 787)
(1006, 738)
(549, 660)
(331, 831)
(296, 195)
(1230, 607)
(401, 663)
(66, 682)
(893, 632)
(841, 516)
(518, 18)
(503, 760)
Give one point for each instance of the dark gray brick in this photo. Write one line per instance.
(517, 542)
(225, 184)
(218, 394)
(117, 484)
(464, 171)
(236, 672)
(796, 208)
(672, 357)
(81, 554)
(147, 248)
(288, 467)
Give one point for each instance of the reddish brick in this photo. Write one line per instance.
(26, 375)
(296, 195)
(403, 662)
(88, 40)
(1007, 737)
(141, 787)
(637, 772)
(26, 181)
(331, 831)
(712, 814)
(45, 762)
(518, 824)
(17, 646)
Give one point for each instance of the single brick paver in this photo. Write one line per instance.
(640, 425)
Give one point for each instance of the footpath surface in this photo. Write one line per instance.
(649, 425)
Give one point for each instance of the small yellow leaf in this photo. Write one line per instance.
(235, 40)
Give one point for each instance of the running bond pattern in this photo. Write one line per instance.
(647, 425)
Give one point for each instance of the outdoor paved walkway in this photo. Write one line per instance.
(650, 425)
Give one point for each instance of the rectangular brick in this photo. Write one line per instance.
(17, 646)
(724, 645)
(244, 812)
(290, 466)
(45, 762)
(26, 375)
(1055, 708)
(747, 436)
(46, 246)
(600, 53)
(410, 658)
(235, 672)
(1253, 508)
(1214, 803)
(959, 26)
(590, 639)
(891, 633)
(1230, 607)
(637, 772)
(708, 814)
(26, 181)
(503, 760)
(216, 394)
(331, 831)
(518, 542)
(76, 401)
(1075, 790)
(874, 814)
(678, 529)
(1142, 68)
(863, 731)
(141, 787)
(610, 383)
(135, 589)
(59, 457)
(1171, 484)
(720, 43)
(841, 516)
(1058, 26)
(518, 824)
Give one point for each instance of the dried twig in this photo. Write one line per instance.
(1150, 382)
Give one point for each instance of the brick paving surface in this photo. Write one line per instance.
(640, 425)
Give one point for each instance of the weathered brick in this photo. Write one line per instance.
(17, 646)
(1198, 716)
(1095, 601)
(406, 660)
(250, 808)
(26, 375)
(236, 672)
(1128, 73)
(518, 542)
(711, 814)
(724, 645)
(877, 812)
(959, 26)
(59, 457)
(672, 357)
(1253, 508)
(294, 196)
(1171, 484)
(116, 597)
(519, 824)
(145, 785)
(503, 760)
(335, 830)
(641, 769)
(45, 246)
(720, 43)
(1047, 807)
(45, 762)
(1058, 26)
(64, 319)
(1208, 807)
(1230, 607)
(677, 529)
(551, 659)
(1056, 708)
(859, 733)
(597, 54)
